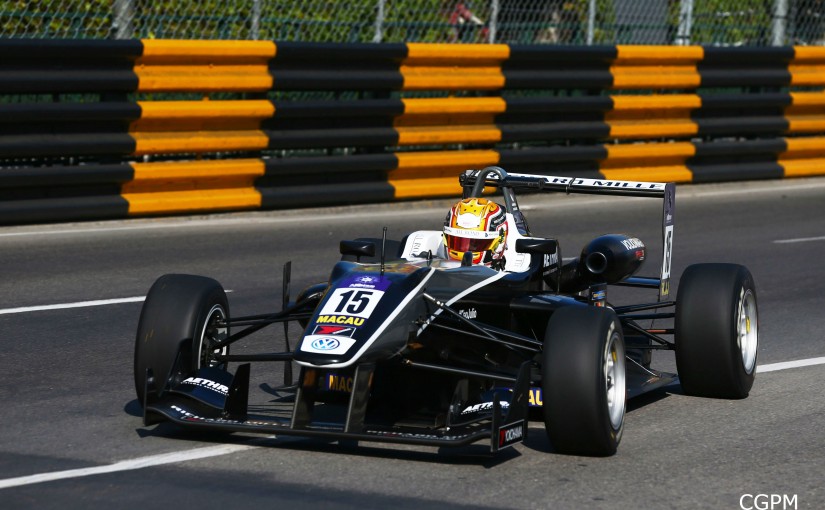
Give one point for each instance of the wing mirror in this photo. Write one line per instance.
(537, 246)
(357, 249)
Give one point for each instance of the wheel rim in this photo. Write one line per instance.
(748, 335)
(614, 377)
(210, 335)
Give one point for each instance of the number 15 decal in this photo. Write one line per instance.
(352, 302)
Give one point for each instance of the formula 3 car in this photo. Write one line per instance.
(403, 345)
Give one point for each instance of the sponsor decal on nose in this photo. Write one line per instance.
(321, 344)
(325, 344)
(333, 330)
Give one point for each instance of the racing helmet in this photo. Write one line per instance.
(476, 225)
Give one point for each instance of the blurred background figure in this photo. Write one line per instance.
(467, 27)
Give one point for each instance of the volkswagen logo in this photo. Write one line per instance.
(325, 344)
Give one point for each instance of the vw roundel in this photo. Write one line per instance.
(325, 344)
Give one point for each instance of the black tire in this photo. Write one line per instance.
(717, 331)
(174, 323)
(583, 381)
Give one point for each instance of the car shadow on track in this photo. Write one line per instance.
(133, 408)
(654, 396)
(537, 438)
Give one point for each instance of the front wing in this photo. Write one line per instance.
(215, 400)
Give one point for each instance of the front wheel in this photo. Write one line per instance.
(583, 381)
(717, 330)
(182, 318)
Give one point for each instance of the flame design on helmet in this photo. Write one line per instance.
(476, 225)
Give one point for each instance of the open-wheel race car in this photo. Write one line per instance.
(430, 341)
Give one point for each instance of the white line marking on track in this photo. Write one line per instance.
(126, 465)
(800, 240)
(215, 451)
(790, 364)
(79, 304)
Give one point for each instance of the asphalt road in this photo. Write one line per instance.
(71, 435)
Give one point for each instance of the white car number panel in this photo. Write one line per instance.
(352, 302)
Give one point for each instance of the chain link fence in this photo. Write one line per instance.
(709, 22)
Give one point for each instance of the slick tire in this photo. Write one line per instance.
(717, 331)
(583, 381)
(177, 324)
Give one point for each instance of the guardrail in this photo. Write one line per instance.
(94, 129)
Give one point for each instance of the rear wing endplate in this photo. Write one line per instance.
(474, 182)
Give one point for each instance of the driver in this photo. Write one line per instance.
(478, 226)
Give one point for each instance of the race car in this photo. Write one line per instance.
(450, 337)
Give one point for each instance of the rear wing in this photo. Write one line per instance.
(474, 182)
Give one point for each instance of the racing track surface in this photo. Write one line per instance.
(68, 400)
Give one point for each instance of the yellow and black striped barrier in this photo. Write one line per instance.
(111, 139)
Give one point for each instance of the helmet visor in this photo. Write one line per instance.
(464, 244)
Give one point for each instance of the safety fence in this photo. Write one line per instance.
(110, 129)
(568, 22)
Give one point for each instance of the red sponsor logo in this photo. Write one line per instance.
(333, 330)
(511, 434)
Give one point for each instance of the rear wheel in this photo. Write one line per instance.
(717, 330)
(583, 381)
(182, 317)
